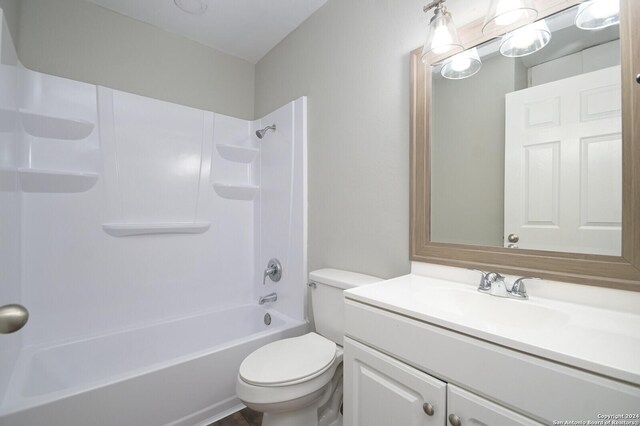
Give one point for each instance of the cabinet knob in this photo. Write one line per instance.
(454, 420)
(428, 409)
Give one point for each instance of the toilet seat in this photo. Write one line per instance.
(285, 396)
(289, 361)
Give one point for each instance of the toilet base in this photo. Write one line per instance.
(321, 408)
(330, 413)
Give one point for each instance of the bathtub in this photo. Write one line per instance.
(180, 372)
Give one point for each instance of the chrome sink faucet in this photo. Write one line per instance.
(494, 284)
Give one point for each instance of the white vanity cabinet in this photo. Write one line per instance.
(382, 391)
(394, 364)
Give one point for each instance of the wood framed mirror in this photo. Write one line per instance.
(615, 271)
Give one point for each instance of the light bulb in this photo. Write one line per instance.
(526, 40)
(442, 37)
(508, 12)
(508, 18)
(523, 39)
(441, 40)
(460, 63)
(505, 13)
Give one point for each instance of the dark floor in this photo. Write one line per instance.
(244, 417)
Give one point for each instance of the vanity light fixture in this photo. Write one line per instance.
(462, 65)
(442, 36)
(526, 40)
(598, 14)
(192, 7)
(503, 13)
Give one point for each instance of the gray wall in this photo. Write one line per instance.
(351, 58)
(81, 41)
(591, 59)
(467, 162)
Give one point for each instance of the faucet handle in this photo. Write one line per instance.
(519, 290)
(493, 277)
(273, 271)
(484, 284)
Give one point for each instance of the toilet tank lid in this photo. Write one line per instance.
(341, 279)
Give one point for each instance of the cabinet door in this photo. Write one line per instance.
(381, 391)
(470, 409)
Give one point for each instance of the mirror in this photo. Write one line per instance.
(525, 145)
(526, 152)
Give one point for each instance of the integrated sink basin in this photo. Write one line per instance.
(489, 312)
(600, 339)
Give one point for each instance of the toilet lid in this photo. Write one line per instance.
(288, 360)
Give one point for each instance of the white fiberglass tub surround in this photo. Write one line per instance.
(179, 372)
(135, 232)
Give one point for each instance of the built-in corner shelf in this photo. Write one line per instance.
(239, 154)
(131, 229)
(236, 191)
(59, 181)
(51, 127)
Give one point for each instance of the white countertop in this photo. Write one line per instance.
(605, 341)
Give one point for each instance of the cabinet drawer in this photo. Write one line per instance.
(538, 388)
(476, 411)
(381, 391)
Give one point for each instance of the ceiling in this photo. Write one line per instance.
(247, 29)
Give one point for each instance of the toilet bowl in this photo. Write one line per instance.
(298, 381)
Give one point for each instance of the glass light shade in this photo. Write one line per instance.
(442, 37)
(503, 13)
(462, 65)
(598, 14)
(526, 40)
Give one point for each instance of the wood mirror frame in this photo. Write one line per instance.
(621, 272)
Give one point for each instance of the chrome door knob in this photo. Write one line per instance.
(513, 238)
(12, 318)
(428, 409)
(454, 420)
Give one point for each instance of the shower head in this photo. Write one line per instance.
(260, 133)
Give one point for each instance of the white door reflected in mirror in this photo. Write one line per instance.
(563, 165)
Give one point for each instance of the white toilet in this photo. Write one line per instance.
(298, 381)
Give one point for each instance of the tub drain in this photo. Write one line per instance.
(267, 319)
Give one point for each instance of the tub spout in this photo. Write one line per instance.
(272, 297)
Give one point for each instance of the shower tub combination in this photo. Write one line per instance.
(178, 372)
(136, 232)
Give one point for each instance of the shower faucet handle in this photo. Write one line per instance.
(273, 271)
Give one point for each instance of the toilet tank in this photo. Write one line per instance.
(327, 300)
